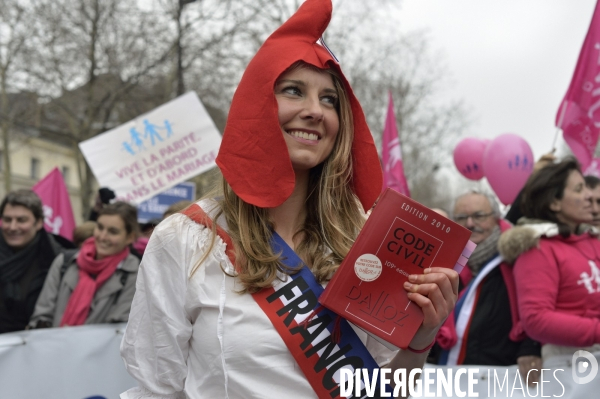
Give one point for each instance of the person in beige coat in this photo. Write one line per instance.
(97, 283)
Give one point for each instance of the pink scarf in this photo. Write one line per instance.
(78, 307)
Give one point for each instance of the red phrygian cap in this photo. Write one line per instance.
(253, 156)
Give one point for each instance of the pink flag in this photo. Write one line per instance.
(58, 214)
(593, 169)
(579, 113)
(391, 154)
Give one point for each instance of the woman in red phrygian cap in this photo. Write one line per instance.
(229, 309)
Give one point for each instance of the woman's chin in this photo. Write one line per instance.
(102, 254)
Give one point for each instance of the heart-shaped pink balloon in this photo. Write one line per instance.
(507, 163)
(468, 157)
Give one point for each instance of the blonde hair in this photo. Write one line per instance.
(333, 220)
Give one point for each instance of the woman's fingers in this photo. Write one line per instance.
(451, 274)
(432, 303)
(445, 279)
(435, 292)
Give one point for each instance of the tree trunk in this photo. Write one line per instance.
(6, 170)
(85, 184)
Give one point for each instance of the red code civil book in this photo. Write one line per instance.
(401, 237)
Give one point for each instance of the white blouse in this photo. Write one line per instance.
(196, 337)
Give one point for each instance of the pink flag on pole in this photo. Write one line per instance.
(391, 154)
(58, 214)
(579, 113)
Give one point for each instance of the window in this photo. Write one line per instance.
(35, 169)
(65, 174)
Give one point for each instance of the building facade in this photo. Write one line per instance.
(32, 158)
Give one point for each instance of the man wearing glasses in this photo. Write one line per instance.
(481, 330)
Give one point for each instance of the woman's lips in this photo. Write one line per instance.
(306, 137)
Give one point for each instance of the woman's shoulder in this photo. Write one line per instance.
(65, 259)
(542, 239)
(131, 263)
(178, 223)
(181, 237)
(522, 238)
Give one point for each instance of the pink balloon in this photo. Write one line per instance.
(507, 163)
(468, 157)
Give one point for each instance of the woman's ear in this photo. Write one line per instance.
(130, 238)
(555, 205)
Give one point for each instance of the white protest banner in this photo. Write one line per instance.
(155, 151)
(68, 363)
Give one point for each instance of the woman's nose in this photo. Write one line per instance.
(313, 108)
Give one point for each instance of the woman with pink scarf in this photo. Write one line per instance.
(96, 284)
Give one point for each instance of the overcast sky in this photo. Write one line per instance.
(511, 61)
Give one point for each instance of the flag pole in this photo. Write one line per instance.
(555, 137)
(559, 124)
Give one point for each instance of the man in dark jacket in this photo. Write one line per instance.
(26, 252)
(484, 327)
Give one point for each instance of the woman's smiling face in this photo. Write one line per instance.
(307, 109)
(111, 236)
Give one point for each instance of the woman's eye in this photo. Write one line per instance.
(293, 90)
(332, 100)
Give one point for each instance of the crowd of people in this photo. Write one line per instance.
(47, 280)
(300, 172)
(532, 288)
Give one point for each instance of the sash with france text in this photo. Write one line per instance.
(305, 326)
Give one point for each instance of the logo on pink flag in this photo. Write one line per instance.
(58, 214)
(391, 154)
(579, 113)
(593, 169)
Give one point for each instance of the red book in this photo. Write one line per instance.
(401, 237)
